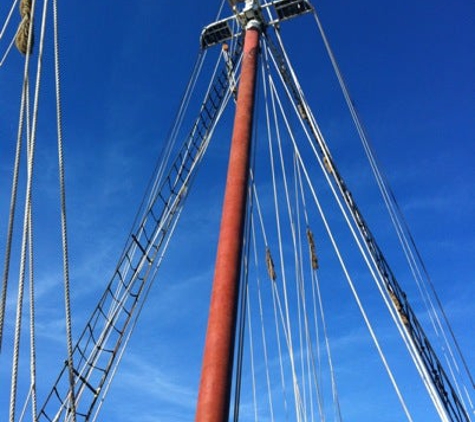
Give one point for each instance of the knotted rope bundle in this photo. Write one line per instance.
(21, 40)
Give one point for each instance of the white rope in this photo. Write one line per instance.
(276, 309)
(288, 329)
(10, 46)
(316, 296)
(341, 259)
(275, 300)
(7, 20)
(274, 292)
(26, 219)
(404, 334)
(263, 325)
(401, 229)
(304, 336)
(11, 218)
(64, 236)
(300, 206)
(301, 311)
(251, 354)
(355, 294)
(34, 406)
(25, 406)
(299, 284)
(321, 143)
(300, 197)
(335, 395)
(2, 32)
(218, 15)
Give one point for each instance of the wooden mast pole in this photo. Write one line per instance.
(215, 385)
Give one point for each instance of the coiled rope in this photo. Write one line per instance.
(23, 40)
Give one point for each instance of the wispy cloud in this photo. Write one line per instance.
(141, 383)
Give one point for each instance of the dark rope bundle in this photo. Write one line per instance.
(270, 265)
(313, 253)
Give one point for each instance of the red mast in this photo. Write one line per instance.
(215, 384)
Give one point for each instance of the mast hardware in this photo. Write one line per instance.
(216, 33)
(275, 12)
(287, 9)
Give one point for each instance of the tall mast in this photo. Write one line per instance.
(215, 384)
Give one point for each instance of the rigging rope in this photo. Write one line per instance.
(311, 245)
(422, 365)
(251, 351)
(26, 218)
(286, 320)
(64, 235)
(274, 293)
(296, 260)
(316, 289)
(261, 315)
(243, 308)
(34, 405)
(8, 18)
(400, 223)
(335, 246)
(303, 385)
(11, 217)
(4, 28)
(311, 359)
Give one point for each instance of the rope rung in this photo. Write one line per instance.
(82, 379)
(141, 248)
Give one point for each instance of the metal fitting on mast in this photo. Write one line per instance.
(247, 11)
(251, 15)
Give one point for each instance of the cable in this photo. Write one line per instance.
(261, 315)
(397, 217)
(26, 219)
(11, 217)
(288, 329)
(7, 20)
(64, 236)
(316, 292)
(343, 265)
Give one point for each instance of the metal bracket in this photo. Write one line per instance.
(251, 15)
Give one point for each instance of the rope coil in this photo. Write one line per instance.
(23, 33)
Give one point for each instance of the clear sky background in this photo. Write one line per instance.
(410, 67)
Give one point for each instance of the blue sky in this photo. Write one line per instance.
(411, 71)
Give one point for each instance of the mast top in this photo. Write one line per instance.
(246, 11)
